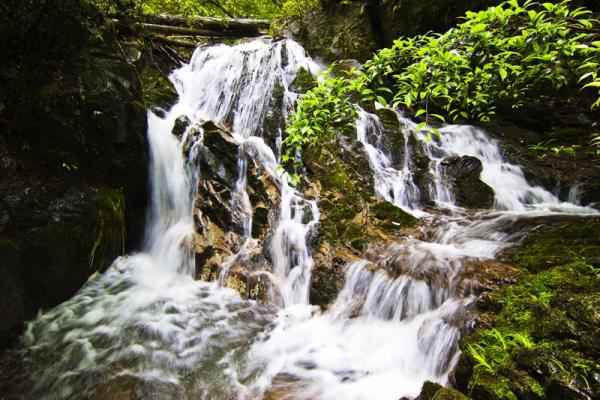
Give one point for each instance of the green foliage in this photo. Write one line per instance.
(505, 54)
(544, 148)
(291, 10)
(211, 8)
(322, 112)
(494, 348)
(297, 8)
(508, 54)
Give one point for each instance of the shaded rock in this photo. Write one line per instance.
(54, 242)
(464, 174)
(181, 124)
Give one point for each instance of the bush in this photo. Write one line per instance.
(507, 54)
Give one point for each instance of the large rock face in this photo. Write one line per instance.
(73, 158)
(338, 29)
(51, 240)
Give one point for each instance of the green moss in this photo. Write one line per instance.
(304, 81)
(539, 343)
(555, 245)
(157, 89)
(395, 216)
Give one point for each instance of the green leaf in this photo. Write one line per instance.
(438, 117)
(592, 84)
(503, 73)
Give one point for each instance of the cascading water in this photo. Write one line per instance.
(148, 322)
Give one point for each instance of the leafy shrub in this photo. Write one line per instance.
(322, 112)
(507, 54)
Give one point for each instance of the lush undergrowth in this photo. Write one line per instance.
(542, 340)
(513, 54)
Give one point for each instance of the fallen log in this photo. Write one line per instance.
(210, 23)
(187, 31)
(169, 25)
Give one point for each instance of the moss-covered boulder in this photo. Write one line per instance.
(351, 216)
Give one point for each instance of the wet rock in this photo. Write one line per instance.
(392, 140)
(327, 278)
(181, 124)
(218, 221)
(464, 174)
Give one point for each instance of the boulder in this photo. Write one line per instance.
(464, 175)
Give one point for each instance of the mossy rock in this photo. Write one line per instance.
(303, 82)
(557, 243)
(392, 216)
(541, 343)
(434, 391)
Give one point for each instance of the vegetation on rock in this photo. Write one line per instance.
(541, 340)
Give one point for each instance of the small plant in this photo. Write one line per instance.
(477, 352)
(545, 148)
(495, 348)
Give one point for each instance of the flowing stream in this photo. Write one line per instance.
(147, 321)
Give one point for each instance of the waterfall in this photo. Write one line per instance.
(395, 324)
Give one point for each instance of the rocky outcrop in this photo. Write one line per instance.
(218, 220)
(553, 152)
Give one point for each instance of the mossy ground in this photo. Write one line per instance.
(543, 340)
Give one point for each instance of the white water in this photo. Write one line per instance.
(394, 325)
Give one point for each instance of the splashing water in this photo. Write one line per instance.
(396, 322)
